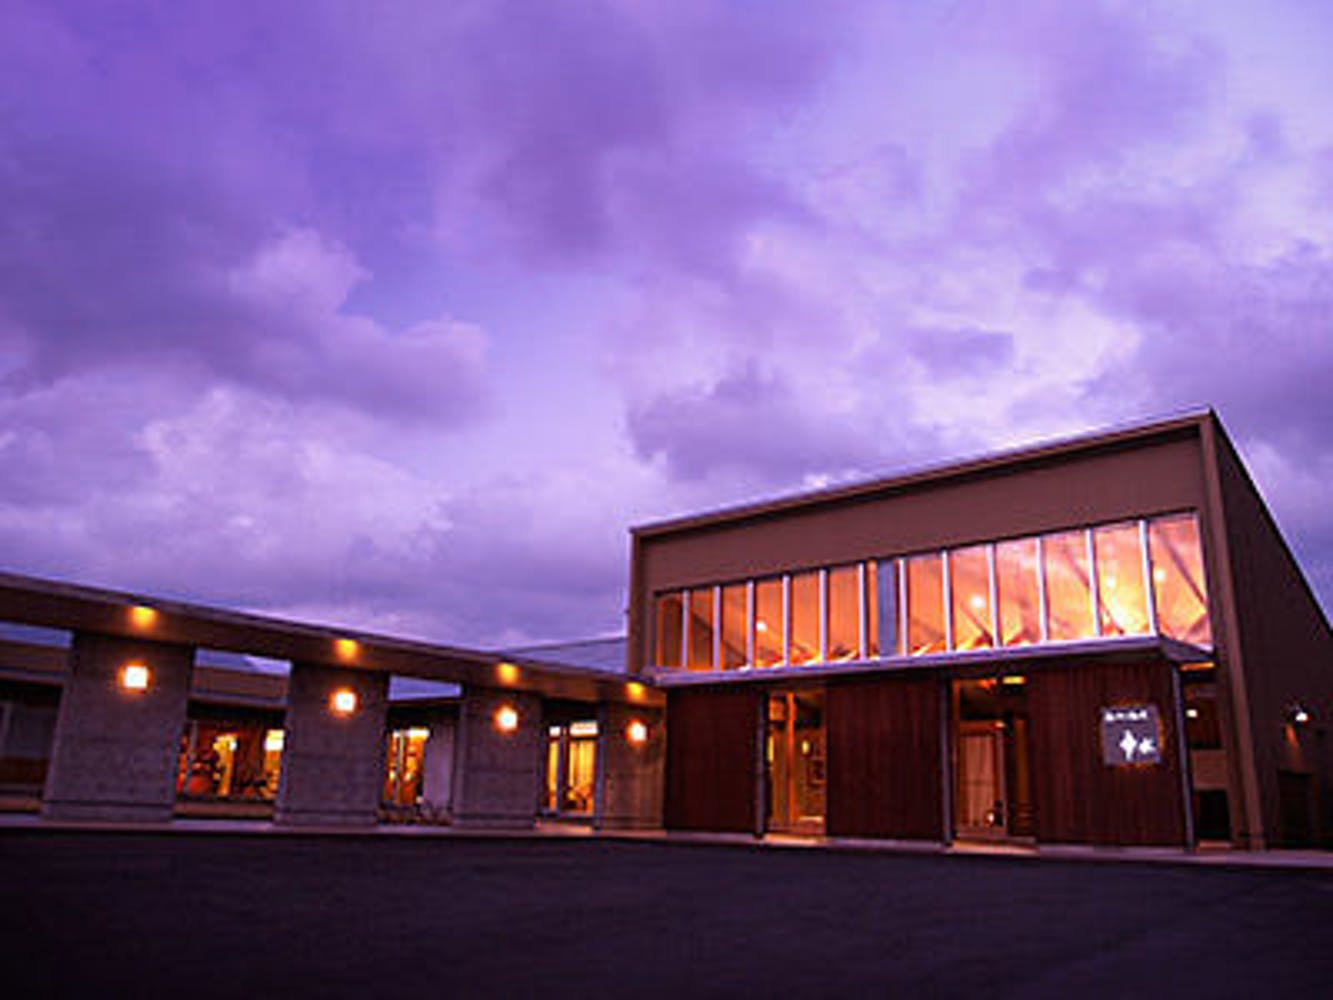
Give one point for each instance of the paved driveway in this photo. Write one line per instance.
(113, 914)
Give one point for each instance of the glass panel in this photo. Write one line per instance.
(872, 605)
(552, 768)
(1068, 594)
(579, 780)
(925, 605)
(734, 626)
(805, 618)
(668, 612)
(1017, 590)
(1121, 602)
(769, 636)
(1177, 579)
(701, 628)
(969, 592)
(844, 614)
(236, 760)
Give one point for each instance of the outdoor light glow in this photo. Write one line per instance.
(346, 648)
(142, 616)
(506, 718)
(637, 732)
(635, 690)
(507, 672)
(134, 677)
(343, 701)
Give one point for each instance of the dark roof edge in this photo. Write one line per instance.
(1116, 435)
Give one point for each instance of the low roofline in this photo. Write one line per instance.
(57, 604)
(997, 461)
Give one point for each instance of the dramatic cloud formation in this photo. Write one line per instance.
(399, 316)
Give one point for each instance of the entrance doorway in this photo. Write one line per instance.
(991, 759)
(794, 755)
(571, 768)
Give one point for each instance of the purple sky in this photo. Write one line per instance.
(399, 318)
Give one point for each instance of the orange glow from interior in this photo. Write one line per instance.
(142, 616)
(637, 732)
(506, 718)
(343, 701)
(507, 673)
(346, 648)
(635, 691)
(134, 677)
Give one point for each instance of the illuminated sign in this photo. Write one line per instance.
(1131, 734)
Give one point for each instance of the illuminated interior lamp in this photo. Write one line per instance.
(273, 740)
(1014, 680)
(343, 701)
(142, 616)
(1191, 712)
(507, 672)
(506, 718)
(637, 732)
(345, 648)
(1298, 715)
(134, 677)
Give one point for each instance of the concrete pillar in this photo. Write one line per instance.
(497, 774)
(630, 776)
(116, 750)
(332, 763)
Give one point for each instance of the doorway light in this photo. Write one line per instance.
(135, 677)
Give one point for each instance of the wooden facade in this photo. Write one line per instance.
(884, 758)
(712, 754)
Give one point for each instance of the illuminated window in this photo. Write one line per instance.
(1179, 590)
(1068, 593)
(844, 614)
(872, 604)
(805, 619)
(925, 605)
(769, 630)
(1017, 586)
(668, 614)
(1121, 601)
(701, 628)
(734, 626)
(969, 593)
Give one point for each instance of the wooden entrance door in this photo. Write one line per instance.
(712, 750)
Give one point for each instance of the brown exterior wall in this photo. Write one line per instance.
(884, 758)
(1090, 486)
(712, 752)
(1286, 656)
(1079, 799)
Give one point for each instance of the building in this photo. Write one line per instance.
(1101, 641)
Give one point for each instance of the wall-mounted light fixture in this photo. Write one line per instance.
(506, 719)
(142, 616)
(637, 732)
(343, 701)
(134, 677)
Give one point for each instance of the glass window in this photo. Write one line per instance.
(769, 630)
(1121, 601)
(844, 614)
(925, 605)
(701, 628)
(1178, 584)
(805, 619)
(668, 630)
(1068, 594)
(1017, 586)
(734, 626)
(969, 593)
(872, 597)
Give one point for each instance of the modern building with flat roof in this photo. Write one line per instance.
(1102, 640)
